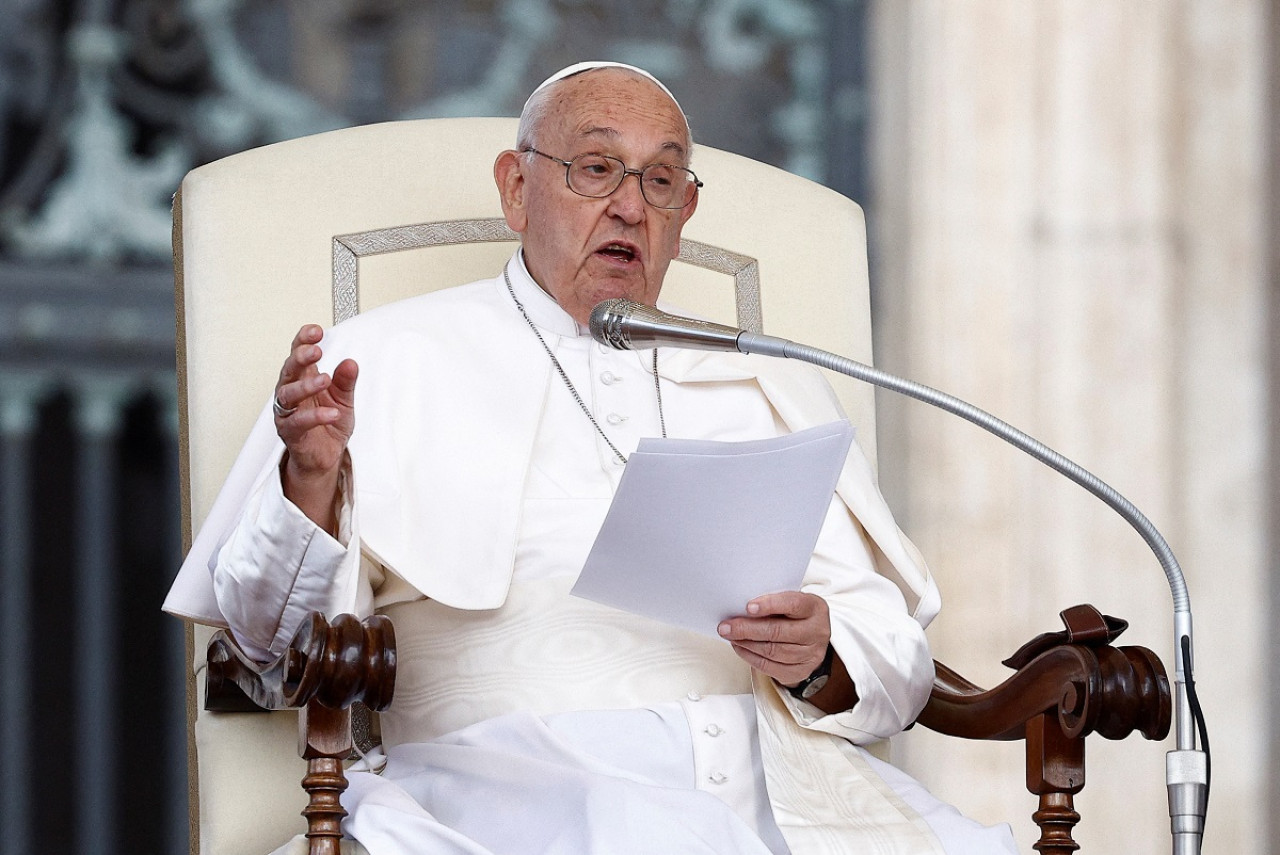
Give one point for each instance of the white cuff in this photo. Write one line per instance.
(278, 566)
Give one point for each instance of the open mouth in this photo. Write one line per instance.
(618, 251)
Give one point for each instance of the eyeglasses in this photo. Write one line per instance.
(599, 175)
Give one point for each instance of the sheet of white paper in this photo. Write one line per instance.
(698, 528)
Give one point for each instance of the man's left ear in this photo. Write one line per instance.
(508, 174)
(688, 210)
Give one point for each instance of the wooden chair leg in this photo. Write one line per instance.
(324, 783)
(1056, 818)
(1055, 772)
(326, 741)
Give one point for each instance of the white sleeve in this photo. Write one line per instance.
(278, 566)
(881, 645)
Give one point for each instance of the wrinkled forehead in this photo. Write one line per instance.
(616, 107)
(610, 90)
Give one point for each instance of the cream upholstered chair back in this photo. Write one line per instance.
(319, 228)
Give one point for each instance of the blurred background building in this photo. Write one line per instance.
(1073, 219)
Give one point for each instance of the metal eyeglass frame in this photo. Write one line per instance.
(638, 173)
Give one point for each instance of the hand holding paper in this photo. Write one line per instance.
(699, 528)
(785, 635)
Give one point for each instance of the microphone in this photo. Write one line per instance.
(627, 325)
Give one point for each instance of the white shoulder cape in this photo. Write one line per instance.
(439, 485)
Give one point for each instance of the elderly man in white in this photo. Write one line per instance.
(526, 720)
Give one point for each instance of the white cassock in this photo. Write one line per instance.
(477, 490)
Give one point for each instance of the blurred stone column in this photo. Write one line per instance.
(1069, 232)
(175, 664)
(98, 414)
(19, 399)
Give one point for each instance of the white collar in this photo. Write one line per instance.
(542, 308)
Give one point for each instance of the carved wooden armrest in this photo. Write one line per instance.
(1065, 686)
(326, 668)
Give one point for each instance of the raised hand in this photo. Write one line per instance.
(315, 416)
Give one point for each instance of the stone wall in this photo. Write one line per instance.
(1069, 231)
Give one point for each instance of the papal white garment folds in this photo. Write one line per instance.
(476, 489)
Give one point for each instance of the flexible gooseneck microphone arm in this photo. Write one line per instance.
(627, 325)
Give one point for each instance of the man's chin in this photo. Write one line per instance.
(618, 287)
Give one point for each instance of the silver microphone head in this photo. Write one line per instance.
(606, 322)
(628, 325)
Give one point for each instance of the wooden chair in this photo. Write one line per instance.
(322, 227)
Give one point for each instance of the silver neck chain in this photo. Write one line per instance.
(657, 387)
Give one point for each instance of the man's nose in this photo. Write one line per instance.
(627, 202)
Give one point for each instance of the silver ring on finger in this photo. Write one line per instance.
(280, 409)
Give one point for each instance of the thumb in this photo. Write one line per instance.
(343, 387)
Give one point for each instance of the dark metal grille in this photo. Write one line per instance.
(103, 107)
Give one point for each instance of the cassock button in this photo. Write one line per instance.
(713, 730)
(694, 696)
(615, 419)
(717, 777)
(608, 378)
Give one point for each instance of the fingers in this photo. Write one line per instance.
(289, 396)
(301, 382)
(315, 417)
(303, 419)
(773, 632)
(304, 353)
(784, 635)
(790, 617)
(792, 604)
(788, 674)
